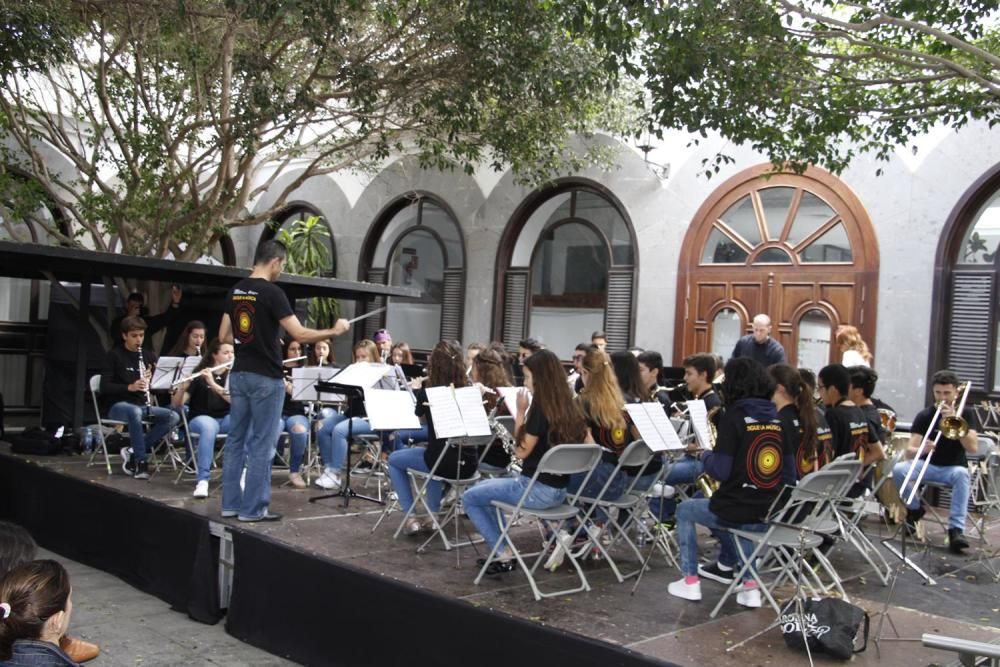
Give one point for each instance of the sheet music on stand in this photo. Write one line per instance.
(390, 409)
(509, 395)
(654, 427)
(699, 421)
(170, 369)
(363, 374)
(458, 412)
(304, 383)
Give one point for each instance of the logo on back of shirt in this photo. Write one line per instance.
(764, 459)
(244, 316)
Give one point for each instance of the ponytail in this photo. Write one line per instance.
(799, 392)
(31, 593)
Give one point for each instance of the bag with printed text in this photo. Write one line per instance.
(831, 627)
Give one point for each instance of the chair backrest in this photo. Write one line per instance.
(636, 454)
(95, 384)
(850, 464)
(569, 459)
(811, 499)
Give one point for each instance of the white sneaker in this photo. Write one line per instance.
(327, 480)
(560, 547)
(661, 490)
(201, 489)
(748, 597)
(682, 589)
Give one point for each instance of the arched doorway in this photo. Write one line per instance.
(799, 248)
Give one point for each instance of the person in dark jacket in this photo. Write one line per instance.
(759, 345)
(35, 609)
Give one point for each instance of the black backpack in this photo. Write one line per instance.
(35, 441)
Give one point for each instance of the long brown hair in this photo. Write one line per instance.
(601, 398)
(180, 346)
(849, 338)
(554, 398)
(208, 360)
(799, 391)
(447, 365)
(405, 347)
(35, 591)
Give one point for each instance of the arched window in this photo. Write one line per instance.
(967, 320)
(291, 214)
(569, 262)
(727, 327)
(416, 242)
(798, 248)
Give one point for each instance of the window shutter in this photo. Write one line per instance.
(515, 307)
(373, 324)
(972, 302)
(618, 312)
(452, 304)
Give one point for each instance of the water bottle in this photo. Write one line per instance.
(87, 439)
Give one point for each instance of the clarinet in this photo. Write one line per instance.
(142, 376)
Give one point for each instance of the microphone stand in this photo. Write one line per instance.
(352, 394)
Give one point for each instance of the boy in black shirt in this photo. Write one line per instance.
(948, 464)
(849, 428)
(125, 397)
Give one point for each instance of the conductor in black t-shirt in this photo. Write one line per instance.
(948, 464)
(256, 311)
(759, 345)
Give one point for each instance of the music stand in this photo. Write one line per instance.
(353, 395)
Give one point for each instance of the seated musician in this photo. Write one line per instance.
(401, 354)
(948, 463)
(332, 435)
(447, 367)
(321, 354)
(849, 428)
(699, 369)
(190, 342)
(628, 371)
(294, 421)
(553, 418)
(124, 394)
(573, 379)
(208, 408)
(650, 366)
(799, 421)
(748, 461)
(490, 371)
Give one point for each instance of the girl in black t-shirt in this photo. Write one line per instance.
(553, 418)
(489, 370)
(798, 421)
(191, 342)
(447, 368)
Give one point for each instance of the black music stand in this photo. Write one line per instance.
(352, 394)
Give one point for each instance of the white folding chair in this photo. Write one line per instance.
(566, 459)
(109, 425)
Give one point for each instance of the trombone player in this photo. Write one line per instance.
(948, 441)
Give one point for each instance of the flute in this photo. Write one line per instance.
(210, 370)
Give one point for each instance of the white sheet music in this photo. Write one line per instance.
(170, 369)
(457, 412)
(389, 409)
(654, 427)
(363, 374)
(304, 383)
(509, 395)
(699, 421)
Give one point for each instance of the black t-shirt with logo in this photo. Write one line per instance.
(537, 425)
(256, 308)
(791, 432)
(848, 428)
(756, 476)
(947, 452)
(824, 446)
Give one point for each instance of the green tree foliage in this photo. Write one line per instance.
(807, 81)
(176, 116)
(307, 241)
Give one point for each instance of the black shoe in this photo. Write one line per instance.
(912, 517)
(715, 573)
(141, 470)
(267, 516)
(956, 541)
(501, 567)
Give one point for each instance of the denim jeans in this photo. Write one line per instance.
(399, 462)
(402, 438)
(206, 428)
(595, 484)
(695, 511)
(163, 420)
(255, 418)
(509, 490)
(683, 471)
(37, 653)
(332, 439)
(297, 427)
(957, 477)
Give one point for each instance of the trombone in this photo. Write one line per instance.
(953, 428)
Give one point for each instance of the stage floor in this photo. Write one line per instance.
(964, 603)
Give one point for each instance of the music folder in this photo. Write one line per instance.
(699, 422)
(458, 412)
(170, 369)
(390, 409)
(654, 426)
(509, 395)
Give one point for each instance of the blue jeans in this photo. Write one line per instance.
(206, 428)
(957, 477)
(595, 484)
(255, 417)
(163, 420)
(399, 462)
(509, 490)
(332, 439)
(403, 437)
(683, 471)
(695, 511)
(297, 427)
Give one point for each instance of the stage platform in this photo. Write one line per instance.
(320, 588)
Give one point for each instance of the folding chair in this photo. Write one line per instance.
(793, 528)
(103, 424)
(637, 454)
(560, 460)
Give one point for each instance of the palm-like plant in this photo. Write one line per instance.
(308, 246)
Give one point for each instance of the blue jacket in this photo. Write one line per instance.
(36, 653)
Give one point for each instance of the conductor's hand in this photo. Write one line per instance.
(342, 326)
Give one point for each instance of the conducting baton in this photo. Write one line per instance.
(366, 315)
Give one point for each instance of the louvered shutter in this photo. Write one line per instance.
(452, 304)
(373, 324)
(973, 294)
(515, 307)
(618, 312)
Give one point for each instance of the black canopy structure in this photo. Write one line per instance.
(75, 265)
